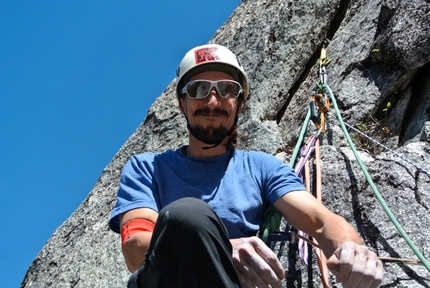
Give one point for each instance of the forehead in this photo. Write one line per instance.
(212, 75)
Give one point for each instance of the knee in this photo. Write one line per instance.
(189, 214)
(185, 210)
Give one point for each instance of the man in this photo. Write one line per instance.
(191, 215)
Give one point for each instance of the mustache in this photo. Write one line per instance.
(207, 111)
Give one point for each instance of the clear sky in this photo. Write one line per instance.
(76, 79)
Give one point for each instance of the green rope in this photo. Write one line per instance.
(300, 140)
(372, 184)
(272, 218)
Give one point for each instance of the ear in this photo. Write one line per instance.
(181, 104)
(239, 106)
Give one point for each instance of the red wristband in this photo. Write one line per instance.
(135, 225)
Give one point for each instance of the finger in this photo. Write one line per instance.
(367, 270)
(249, 277)
(373, 273)
(378, 275)
(270, 258)
(345, 256)
(265, 273)
(360, 266)
(333, 264)
(244, 283)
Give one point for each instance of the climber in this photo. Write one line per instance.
(188, 217)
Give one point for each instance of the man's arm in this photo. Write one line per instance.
(351, 263)
(257, 265)
(135, 247)
(303, 211)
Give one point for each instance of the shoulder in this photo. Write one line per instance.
(150, 156)
(261, 162)
(146, 160)
(258, 157)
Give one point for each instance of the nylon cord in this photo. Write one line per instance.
(385, 147)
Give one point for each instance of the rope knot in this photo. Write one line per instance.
(272, 221)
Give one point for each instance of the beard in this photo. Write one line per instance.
(209, 135)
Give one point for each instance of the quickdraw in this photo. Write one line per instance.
(320, 103)
(319, 108)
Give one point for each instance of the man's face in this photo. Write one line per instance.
(210, 118)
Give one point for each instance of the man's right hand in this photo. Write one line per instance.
(256, 264)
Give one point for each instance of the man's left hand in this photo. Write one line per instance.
(356, 266)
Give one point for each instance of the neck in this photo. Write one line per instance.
(195, 148)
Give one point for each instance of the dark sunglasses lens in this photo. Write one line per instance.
(228, 89)
(198, 89)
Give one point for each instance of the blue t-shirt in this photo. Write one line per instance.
(238, 185)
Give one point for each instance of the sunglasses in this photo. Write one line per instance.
(200, 89)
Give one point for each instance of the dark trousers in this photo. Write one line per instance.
(189, 248)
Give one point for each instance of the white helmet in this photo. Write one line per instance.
(210, 57)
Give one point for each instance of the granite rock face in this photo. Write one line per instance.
(380, 75)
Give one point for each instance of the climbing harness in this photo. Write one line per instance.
(318, 112)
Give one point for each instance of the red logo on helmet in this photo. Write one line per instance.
(206, 55)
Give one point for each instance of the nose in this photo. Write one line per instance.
(212, 99)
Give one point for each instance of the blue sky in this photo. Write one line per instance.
(76, 80)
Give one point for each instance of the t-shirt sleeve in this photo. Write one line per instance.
(279, 178)
(137, 188)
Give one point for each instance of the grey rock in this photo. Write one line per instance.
(425, 134)
(379, 53)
